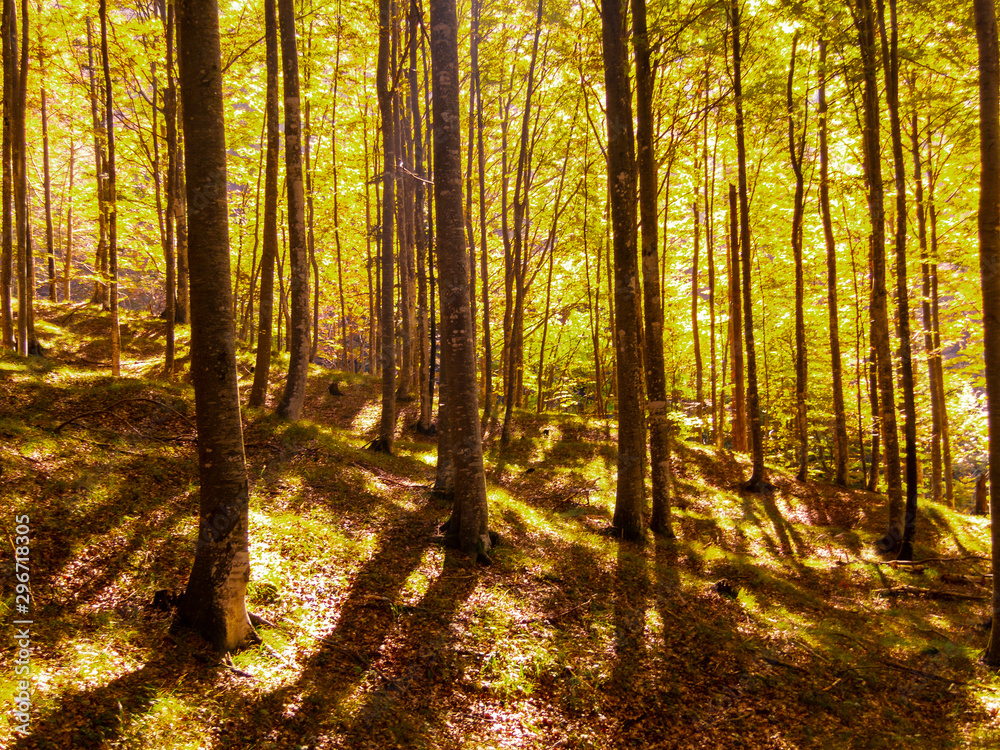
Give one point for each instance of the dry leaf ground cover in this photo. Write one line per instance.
(769, 622)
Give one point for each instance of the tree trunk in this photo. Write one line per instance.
(736, 322)
(469, 520)
(890, 62)
(839, 414)
(68, 255)
(949, 490)
(989, 265)
(695, 335)
(627, 520)
(100, 296)
(290, 406)
(865, 20)
(757, 481)
(19, 155)
(656, 382)
(170, 122)
(9, 33)
(112, 196)
(796, 152)
(50, 245)
(487, 370)
(387, 424)
(214, 602)
(269, 252)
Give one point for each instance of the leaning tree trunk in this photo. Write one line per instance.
(262, 366)
(839, 415)
(470, 516)
(112, 197)
(290, 406)
(627, 520)
(214, 602)
(865, 20)
(757, 481)
(656, 382)
(387, 423)
(989, 265)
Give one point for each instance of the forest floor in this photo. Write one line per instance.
(768, 622)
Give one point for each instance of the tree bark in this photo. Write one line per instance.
(269, 251)
(290, 406)
(111, 202)
(627, 521)
(9, 34)
(989, 266)
(736, 322)
(68, 254)
(100, 296)
(387, 423)
(50, 245)
(839, 414)
(757, 481)
(214, 602)
(866, 23)
(19, 156)
(470, 517)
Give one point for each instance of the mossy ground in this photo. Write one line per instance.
(384, 638)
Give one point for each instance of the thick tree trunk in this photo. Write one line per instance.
(757, 481)
(627, 522)
(656, 383)
(796, 151)
(989, 265)
(215, 600)
(290, 406)
(262, 366)
(866, 23)
(839, 414)
(112, 197)
(470, 516)
(387, 424)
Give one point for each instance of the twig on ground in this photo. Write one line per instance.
(119, 403)
(932, 593)
(227, 662)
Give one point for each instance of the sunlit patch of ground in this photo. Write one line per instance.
(768, 622)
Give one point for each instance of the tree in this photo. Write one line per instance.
(111, 202)
(989, 267)
(9, 34)
(470, 518)
(214, 602)
(656, 383)
(290, 406)
(627, 520)
(757, 481)
(262, 367)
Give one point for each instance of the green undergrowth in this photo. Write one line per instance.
(768, 621)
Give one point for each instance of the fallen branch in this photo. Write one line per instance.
(227, 662)
(119, 403)
(922, 673)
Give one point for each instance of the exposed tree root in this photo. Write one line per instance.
(379, 445)
(757, 486)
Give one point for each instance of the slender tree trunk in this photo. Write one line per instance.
(336, 194)
(925, 311)
(989, 265)
(214, 602)
(656, 383)
(487, 370)
(796, 152)
(19, 156)
(470, 516)
(183, 295)
(938, 364)
(112, 196)
(627, 520)
(695, 334)
(515, 344)
(50, 245)
(757, 481)
(290, 406)
(100, 296)
(9, 33)
(736, 322)
(68, 255)
(866, 22)
(269, 252)
(839, 415)
(890, 62)
(387, 424)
